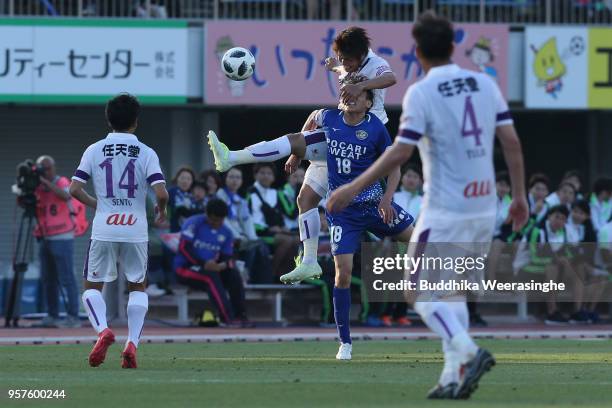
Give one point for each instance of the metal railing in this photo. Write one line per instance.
(477, 11)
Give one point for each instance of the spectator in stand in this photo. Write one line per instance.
(601, 206)
(200, 197)
(205, 261)
(565, 195)
(579, 225)
(503, 228)
(539, 187)
(549, 259)
(287, 197)
(410, 197)
(181, 199)
(55, 229)
(573, 178)
(252, 250)
(212, 181)
(269, 220)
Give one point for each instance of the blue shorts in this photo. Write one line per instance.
(347, 227)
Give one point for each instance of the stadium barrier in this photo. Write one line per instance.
(481, 11)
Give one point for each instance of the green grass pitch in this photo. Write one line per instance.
(529, 373)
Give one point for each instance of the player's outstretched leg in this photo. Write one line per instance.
(307, 267)
(96, 311)
(137, 307)
(267, 151)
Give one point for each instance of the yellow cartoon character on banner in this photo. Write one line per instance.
(548, 67)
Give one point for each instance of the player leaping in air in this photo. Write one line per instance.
(352, 47)
(350, 140)
(452, 115)
(121, 168)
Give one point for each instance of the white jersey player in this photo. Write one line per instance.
(452, 116)
(121, 168)
(355, 59)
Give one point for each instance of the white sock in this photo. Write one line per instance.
(310, 226)
(450, 372)
(267, 151)
(137, 307)
(439, 318)
(464, 345)
(96, 309)
(460, 309)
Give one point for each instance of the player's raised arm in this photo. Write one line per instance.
(513, 154)
(385, 80)
(390, 161)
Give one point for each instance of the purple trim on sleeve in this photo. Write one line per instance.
(314, 138)
(81, 174)
(155, 177)
(504, 116)
(410, 134)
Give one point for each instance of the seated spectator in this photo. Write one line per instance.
(204, 261)
(565, 195)
(539, 187)
(252, 250)
(212, 181)
(200, 197)
(503, 223)
(579, 224)
(269, 221)
(181, 199)
(287, 197)
(573, 178)
(549, 259)
(601, 207)
(410, 197)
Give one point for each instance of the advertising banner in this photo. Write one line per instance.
(289, 59)
(76, 61)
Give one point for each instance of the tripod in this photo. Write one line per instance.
(20, 266)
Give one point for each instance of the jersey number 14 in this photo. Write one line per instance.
(127, 180)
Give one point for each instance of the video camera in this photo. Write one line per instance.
(28, 177)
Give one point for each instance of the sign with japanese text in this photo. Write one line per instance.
(289, 59)
(77, 61)
(568, 68)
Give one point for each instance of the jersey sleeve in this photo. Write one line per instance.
(384, 139)
(503, 116)
(412, 121)
(320, 117)
(381, 67)
(153, 170)
(188, 230)
(84, 171)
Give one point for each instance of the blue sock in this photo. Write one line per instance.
(342, 313)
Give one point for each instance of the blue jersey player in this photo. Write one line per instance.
(349, 140)
(355, 139)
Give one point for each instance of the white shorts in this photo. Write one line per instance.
(316, 178)
(442, 237)
(105, 257)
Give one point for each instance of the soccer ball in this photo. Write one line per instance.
(238, 64)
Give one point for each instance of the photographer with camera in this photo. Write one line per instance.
(56, 216)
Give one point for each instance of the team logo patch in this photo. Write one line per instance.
(221, 238)
(361, 134)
